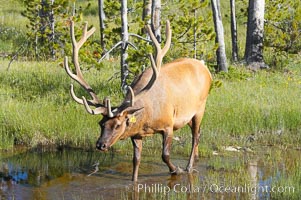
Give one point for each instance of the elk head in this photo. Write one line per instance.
(117, 120)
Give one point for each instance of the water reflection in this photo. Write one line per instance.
(15, 175)
(65, 175)
(252, 170)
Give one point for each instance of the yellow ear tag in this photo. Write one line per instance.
(133, 119)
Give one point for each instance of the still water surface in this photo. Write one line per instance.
(78, 174)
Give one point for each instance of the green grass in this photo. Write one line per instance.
(247, 104)
(250, 109)
(288, 185)
(10, 13)
(12, 25)
(37, 108)
(265, 102)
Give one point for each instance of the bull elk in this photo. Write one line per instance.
(160, 100)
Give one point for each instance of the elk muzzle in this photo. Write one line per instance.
(105, 141)
(102, 145)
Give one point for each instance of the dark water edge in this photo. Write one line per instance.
(80, 174)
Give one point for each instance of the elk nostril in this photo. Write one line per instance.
(99, 146)
(103, 147)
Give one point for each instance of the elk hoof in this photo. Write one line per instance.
(177, 171)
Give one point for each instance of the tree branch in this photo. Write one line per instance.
(140, 37)
(114, 47)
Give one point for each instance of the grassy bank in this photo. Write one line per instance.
(250, 108)
(36, 107)
(258, 112)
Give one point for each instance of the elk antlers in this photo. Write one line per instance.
(78, 77)
(156, 65)
(104, 108)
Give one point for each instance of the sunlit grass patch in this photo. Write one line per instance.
(261, 107)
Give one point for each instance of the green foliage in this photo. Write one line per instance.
(235, 73)
(11, 35)
(139, 59)
(90, 9)
(112, 23)
(187, 30)
(44, 39)
(37, 108)
(191, 25)
(48, 27)
(283, 29)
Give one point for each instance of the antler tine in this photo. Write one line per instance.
(153, 37)
(78, 100)
(160, 52)
(86, 34)
(155, 73)
(95, 101)
(132, 99)
(168, 33)
(156, 65)
(99, 110)
(78, 77)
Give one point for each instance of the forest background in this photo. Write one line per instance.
(247, 107)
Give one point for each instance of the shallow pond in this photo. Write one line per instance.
(78, 174)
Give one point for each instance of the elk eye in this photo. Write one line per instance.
(117, 126)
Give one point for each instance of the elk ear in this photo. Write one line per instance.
(131, 114)
(134, 111)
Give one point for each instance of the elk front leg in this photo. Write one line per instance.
(167, 140)
(137, 144)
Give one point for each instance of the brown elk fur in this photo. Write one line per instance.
(177, 98)
(160, 100)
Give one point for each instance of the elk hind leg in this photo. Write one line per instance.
(196, 133)
(167, 140)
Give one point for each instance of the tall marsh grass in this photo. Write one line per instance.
(36, 108)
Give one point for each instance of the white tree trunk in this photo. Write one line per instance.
(146, 15)
(255, 30)
(234, 32)
(102, 17)
(125, 39)
(219, 29)
(147, 10)
(156, 19)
